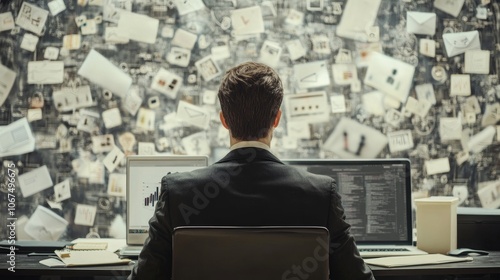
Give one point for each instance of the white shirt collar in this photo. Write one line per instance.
(250, 144)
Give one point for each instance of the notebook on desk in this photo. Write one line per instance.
(144, 174)
(376, 196)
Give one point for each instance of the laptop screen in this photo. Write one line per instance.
(376, 196)
(144, 174)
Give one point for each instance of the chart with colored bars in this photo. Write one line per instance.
(151, 193)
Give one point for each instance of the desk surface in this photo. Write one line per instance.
(29, 266)
(489, 264)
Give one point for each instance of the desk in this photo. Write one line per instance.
(29, 268)
(482, 267)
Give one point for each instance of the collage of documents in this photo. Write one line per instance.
(85, 83)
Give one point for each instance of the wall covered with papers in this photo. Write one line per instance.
(85, 83)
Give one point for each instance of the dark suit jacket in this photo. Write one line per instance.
(248, 187)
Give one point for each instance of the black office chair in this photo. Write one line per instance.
(250, 253)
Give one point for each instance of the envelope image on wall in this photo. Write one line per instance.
(452, 7)
(45, 225)
(193, 114)
(421, 23)
(450, 129)
(458, 43)
(389, 75)
(45, 72)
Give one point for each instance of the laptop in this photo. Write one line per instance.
(144, 174)
(246, 253)
(376, 196)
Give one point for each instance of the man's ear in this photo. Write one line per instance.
(223, 120)
(277, 119)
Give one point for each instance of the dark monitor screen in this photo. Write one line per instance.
(376, 196)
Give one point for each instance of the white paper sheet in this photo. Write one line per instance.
(400, 140)
(112, 118)
(482, 139)
(29, 42)
(437, 166)
(450, 129)
(208, 68)
(45, 225)
(32, 18)
(451, 7)
(185, 7)
(193, 114)
(247, 20)
(35, 181)
(184, 39)
(138, 27)
(99, 70)
(167, 83)
(85, 214)
(15, 136)
(270, 53)
(146, 119)
(389, 75)
(311, 74)
(6, 21)
(45, 72)
(311, 107)
(196, 144)
(68, 99)
(102, 143)
(62, 190)
(117, 184)
(113, 159)
(7, 78)
(357, 19)
(477, 62)
(351, 139)
(489, 194)
(460, 85)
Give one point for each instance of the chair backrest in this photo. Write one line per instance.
(229, 253)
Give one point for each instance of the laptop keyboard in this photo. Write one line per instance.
(383, 250)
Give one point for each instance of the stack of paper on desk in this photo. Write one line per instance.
(415, 260)
(69, 258)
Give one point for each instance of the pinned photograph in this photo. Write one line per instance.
(315, 5)
(270, 53)
(117, 184)
(6, 21)
(167, 83)
(179, 56)
(62, 190)
(32, 18)
(85, 215)
(208, 68)
(351, 139)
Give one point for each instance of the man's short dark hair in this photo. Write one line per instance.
(250, 96)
